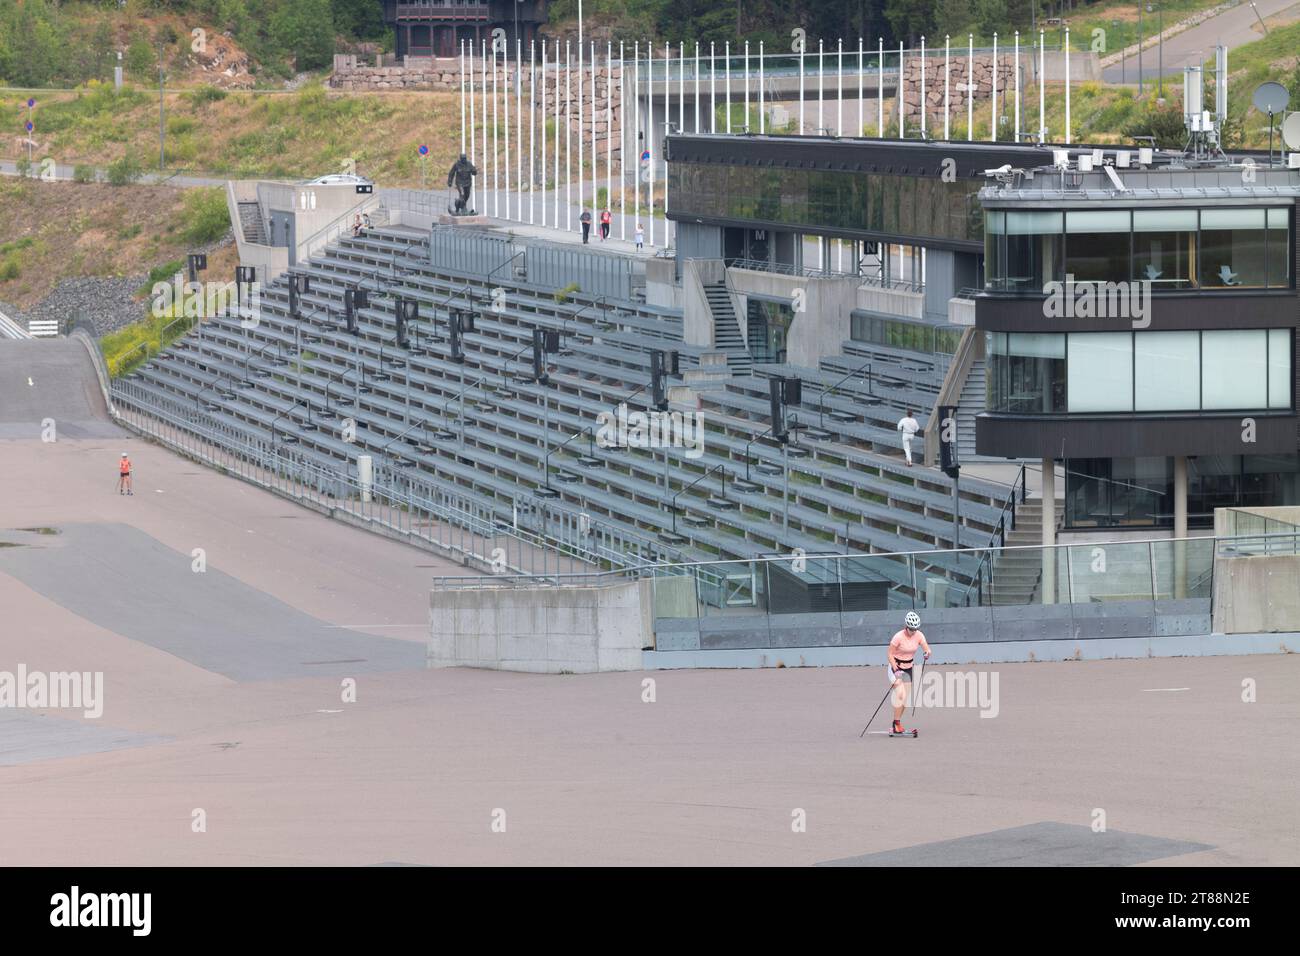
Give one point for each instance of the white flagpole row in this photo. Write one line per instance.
(519, 124)
(993, 102)
(970, 86)
(1067, 86)
(1042, 113)
(496, 143)
(821, 86)
(636, 130)
(471, 138)
(901, 95)
(880, 93)
(862, 101)
(713, 88)
(482, 61)
(532, 127)
(697, 86)
(726, 55)
(923, 104)
(762, 118)
(947, 112)
(609, 126)
(839, 103)
(568, 138)
(1017, 74)
(745, 125)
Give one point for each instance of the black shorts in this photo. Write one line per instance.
(904, 674)
(124, 474)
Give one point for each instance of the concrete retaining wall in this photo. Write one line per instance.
(545, 630)
(1257, 594)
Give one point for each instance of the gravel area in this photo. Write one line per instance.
(107, 302)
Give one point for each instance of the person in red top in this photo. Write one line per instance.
(902, 650)
(124, 475)
(606, 218)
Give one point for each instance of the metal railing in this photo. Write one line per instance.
(533, 538)
(1145, 570)
(1006, 522)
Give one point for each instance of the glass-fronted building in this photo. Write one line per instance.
(1141, 331)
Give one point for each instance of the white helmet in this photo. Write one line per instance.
(912, 621)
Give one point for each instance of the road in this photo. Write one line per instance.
(1195, 45)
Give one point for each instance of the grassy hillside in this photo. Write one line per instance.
(245, 135)
(56, 231)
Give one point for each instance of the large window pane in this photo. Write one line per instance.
(1279, 248)
(995, 267)
(1033, 249)
(1101, 372)
(1096, 246)
(1142, 491)
(1281, 379)
(1165, 366)
(1164, 248)
(1234, 369)
(1026, 372)
(1232, 248)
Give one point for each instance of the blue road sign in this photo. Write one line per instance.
(424, 150)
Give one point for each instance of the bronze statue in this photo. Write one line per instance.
(462, 174)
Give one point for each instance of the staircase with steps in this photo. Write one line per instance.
(726, 328)
(1017, 575)
(252, 224)
(970, 404)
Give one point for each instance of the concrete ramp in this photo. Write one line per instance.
(44, 379)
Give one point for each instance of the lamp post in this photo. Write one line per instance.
(1160, 48)
(1114, 25)
(1139, 49)
(723, 493)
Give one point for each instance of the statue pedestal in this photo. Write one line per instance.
(449, 220)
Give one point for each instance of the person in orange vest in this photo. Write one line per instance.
(124, 475)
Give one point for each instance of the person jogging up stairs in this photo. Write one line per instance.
(124, 475)
(902, 650)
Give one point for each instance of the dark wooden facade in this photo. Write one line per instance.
(438, 27)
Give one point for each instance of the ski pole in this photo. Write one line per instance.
(916, 687)
(878, 706)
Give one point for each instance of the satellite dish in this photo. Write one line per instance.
(1270, 97)
(1291, 131)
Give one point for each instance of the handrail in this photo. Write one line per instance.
(310, 243)
(1000, 531)
(640, 569)
(954, 381)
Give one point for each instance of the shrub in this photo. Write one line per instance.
(83, 173)
(206, 217)
(205, 95)
(124, 171)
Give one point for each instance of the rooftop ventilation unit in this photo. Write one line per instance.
(1085, 162)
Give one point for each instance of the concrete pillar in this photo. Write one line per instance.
(1049, 531)
(365, 475)
(1180, 526)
